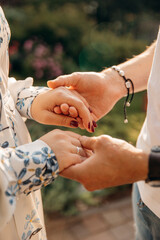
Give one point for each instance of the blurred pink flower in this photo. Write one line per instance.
(40, 50)
(54, 68)
(39, 63)
(28, 44)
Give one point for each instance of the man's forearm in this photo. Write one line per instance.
(137, 69)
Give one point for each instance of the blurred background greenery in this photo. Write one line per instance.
(54, 37)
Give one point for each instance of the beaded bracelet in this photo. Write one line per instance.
(128, 84)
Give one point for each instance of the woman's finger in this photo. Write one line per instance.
(57, 110)
(64, 108)
(73, 112)
(78, 150)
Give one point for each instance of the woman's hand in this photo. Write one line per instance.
(64, 144)
(111, 162)
(44, 105)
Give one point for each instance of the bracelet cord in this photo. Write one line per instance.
(128, 84)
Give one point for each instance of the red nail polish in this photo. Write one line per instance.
(89, 125)
(94, 123)
(74, 124)
(92, 129)
(90, 110)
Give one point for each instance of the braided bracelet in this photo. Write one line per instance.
(128, 84)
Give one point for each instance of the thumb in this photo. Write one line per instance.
(88, 142)
(75, 172)
(66, 80)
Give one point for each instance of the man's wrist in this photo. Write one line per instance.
(143, 160)
(117, 82)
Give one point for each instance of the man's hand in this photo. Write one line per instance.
(110, 162)
(43, 109)
(101, 90)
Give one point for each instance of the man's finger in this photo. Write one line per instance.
(66, 80)
(74, 172)
(88, 142)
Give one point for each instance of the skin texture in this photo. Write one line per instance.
(42, 109)
(64, 145)
(111, 161)
(102, 90)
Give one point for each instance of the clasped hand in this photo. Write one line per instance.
(100, 162)
(62, 107)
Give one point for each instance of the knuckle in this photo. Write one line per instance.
(61, 77)
(75, 74)
(60, 92)
(57, 131)
(60, 136)
(102, 141)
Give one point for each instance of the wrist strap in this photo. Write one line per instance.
(154, 167)
(128, 84)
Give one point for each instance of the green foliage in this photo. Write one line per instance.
(49, 28)
(105, 49)
(75, 35)
(61, 196)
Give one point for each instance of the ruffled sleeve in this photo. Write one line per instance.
(23, 94)
(22, 170)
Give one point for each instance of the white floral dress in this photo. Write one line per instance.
(25, 166)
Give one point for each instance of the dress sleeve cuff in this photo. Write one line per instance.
(24, 169)
(25, 98)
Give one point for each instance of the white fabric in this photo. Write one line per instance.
(150, 133)
(20, 217)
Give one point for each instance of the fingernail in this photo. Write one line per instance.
(92, 129)
(94, 123)
(90, 110)
(74, 124)
(89, 125)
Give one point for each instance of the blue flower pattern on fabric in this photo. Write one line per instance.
(11, 193)
(26, 236)
(28, 227)
(38, 168)
(1, 41)
(21, 178)
(30, 219)
(24, 156)
(24, 103)
(20, 103)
